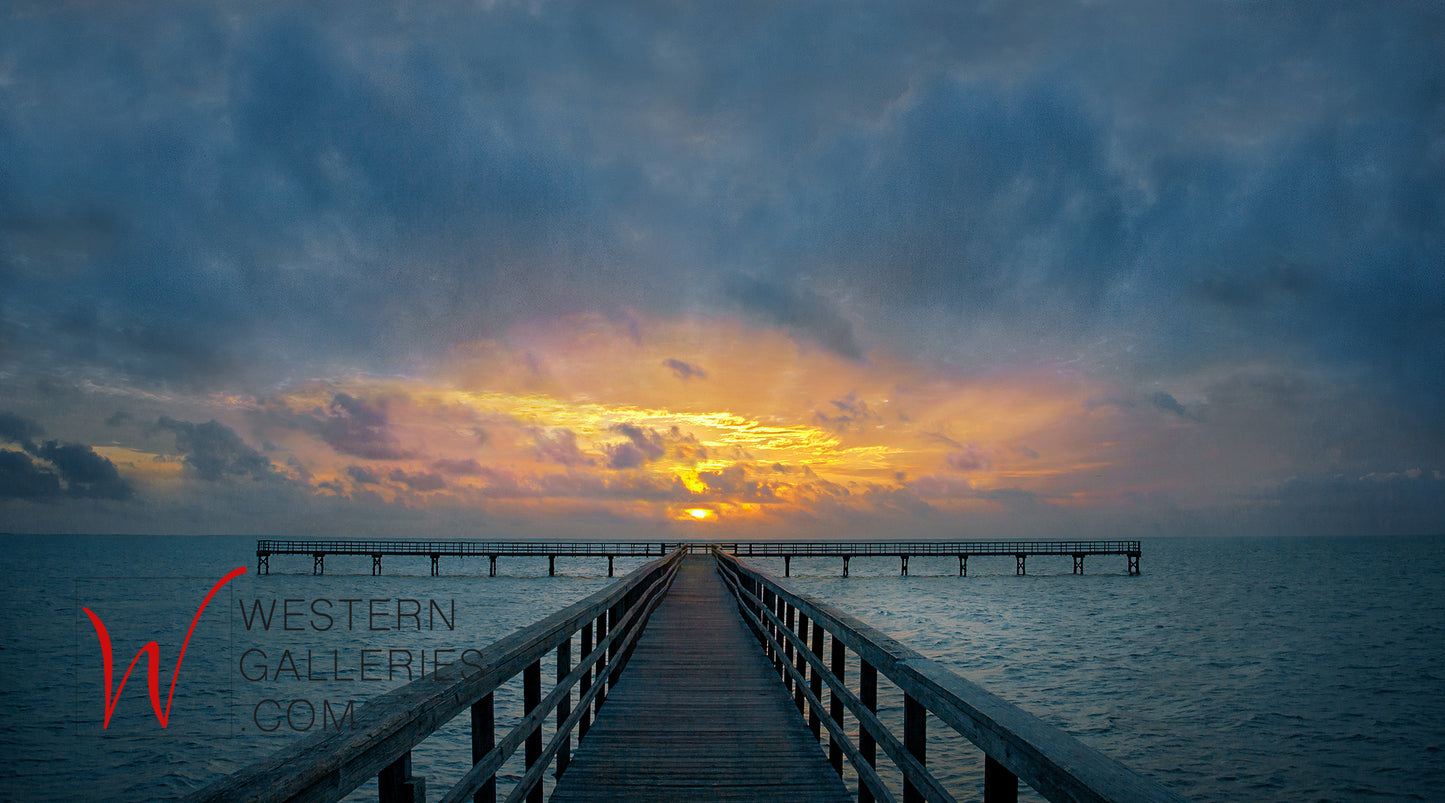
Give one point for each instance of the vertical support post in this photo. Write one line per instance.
(867, 747)
(551, 565)
(814, 720)
(962, 565)
(614, 615)
(904, 568)
(999, 785)
(492, 569)
(915, 741)
(800, 663)
(845, 564)
(835, 704)
(787, 565)
(435, 567)
(586, 683)
(319, 567)
(375, 565)
(531, 698)
(609, 565)
(600, 667)
(263, 563)
(395, 783)
(1078, 564)
(484, 738)
(1019, 565)
(1133, 565)
(788, 619)
(564, 706)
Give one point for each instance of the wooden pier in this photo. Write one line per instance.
(693, 678)
(699, 714)
(787, 550)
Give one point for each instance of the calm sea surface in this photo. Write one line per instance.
(1232, 669)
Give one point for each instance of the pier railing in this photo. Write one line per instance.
(327, 767)
(808, 642)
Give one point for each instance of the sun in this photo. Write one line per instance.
(700, 513)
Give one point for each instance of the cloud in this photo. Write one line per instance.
(559, 445)
(418, 482)
(969, 458)
(354, 427)
(851, 413)
(684, 370)
(18, 430)
(85, 473)
(801, 312)
(1168, 404)
(363, 475)
(213, 451)
(23, 478)
(459, 468)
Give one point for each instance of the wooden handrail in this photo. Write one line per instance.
(327, 767)
(1017, 745)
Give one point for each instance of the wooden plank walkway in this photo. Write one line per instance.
(698, 714)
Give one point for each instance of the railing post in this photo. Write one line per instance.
(564, 706)
(788, 619)
(531, 698)
(586, 683)
(867, 747)
(600, 667)
(395, 783)
(484, 738)
(835, 704)
(999, 785)
(915, 741)
(814, 719)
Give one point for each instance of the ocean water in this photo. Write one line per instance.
(1232, 669)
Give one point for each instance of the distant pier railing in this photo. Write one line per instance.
(327, 767)
(797, 632)
(787, 550)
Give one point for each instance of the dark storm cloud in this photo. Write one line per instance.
(213, 451)
(23, 478)
(642, 447)
(73, 469)
(85, 473)
(684, 370)
(18, 430)
(803, 313)
(1168, 404)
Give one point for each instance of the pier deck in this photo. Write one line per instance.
(699, 714)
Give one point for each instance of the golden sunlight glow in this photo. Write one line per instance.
(586, 417)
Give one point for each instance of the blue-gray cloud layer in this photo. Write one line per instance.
(226, 197)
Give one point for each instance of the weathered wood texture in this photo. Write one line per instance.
(698, 714)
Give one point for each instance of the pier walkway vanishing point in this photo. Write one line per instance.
(787, 550)
(695, 678)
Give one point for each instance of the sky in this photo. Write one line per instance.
(557, 269)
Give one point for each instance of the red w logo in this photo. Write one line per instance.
(153, 650)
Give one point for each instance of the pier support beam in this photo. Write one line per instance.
(319, 567)
(396, 784)
(787, 565)
(1019, 569)
(962, 565)
(1133, 564)
(904, 568)
(999, 785)
(484, 738)
(492, 570)
(435, 567)
(551, 565)
(1078, 564)
(915, 740)
(846, 558)
(263, 563)
(609, 565)
(375, 565)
